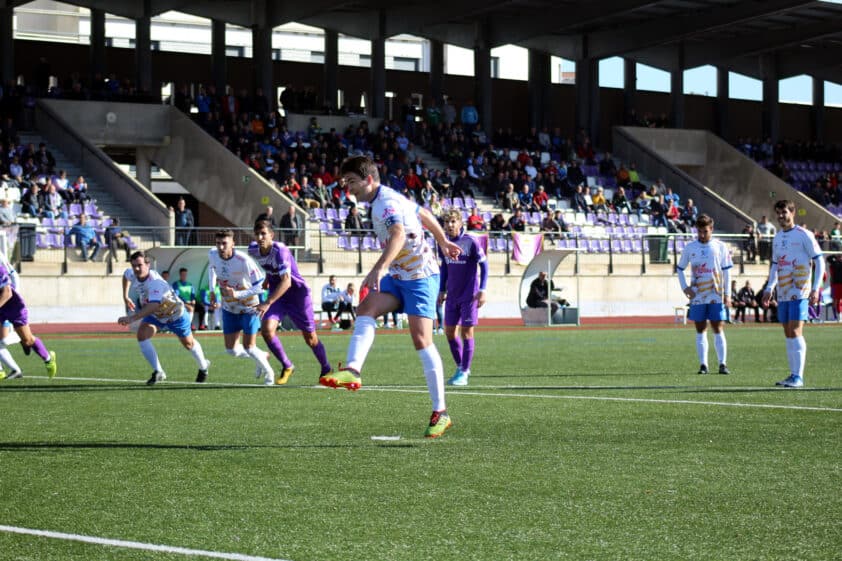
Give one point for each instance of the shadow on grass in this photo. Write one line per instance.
(43, 446)
(128, 386)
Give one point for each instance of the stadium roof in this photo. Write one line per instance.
(747, 36)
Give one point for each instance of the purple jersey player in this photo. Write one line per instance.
(13, 309)
(462, 294)
(288, 295)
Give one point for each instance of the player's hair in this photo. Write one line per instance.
(361, 166)
(785, 204)
(703, 221)
(224, 233)
(263, 223)
(453, 213)
(182, 270)
(139, 253)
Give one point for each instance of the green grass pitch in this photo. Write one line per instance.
(591, 444)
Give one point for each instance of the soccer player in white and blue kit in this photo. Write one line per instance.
(240, 282)
(795, 253)
(709, 290)
(404, 279)
(160, 308)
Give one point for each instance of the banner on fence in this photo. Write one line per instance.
(526, 246)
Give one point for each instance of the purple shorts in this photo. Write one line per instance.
(14, 311)
(461, 313)
(297, 304)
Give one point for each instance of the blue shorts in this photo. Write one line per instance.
(417, 297)
(793, 310)
(234, 323)
(181, 327)
(708, 312)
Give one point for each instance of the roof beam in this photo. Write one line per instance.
(670, 29)
(805, 61)
(525, 25)
(714, 52)
(419, 19)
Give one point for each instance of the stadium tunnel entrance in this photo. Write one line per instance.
(562, 305)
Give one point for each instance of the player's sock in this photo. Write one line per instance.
(150, 354)
(456, 349)
(42, 351)
(321, 355)
(434, 373)
(467, 354)
(702, 347)
(237, 351)
(799, 347)
(277, 349)
(258, 355)
(199, 355)
(7, 360)
(361, 342)
(721, 346)
(790, 354)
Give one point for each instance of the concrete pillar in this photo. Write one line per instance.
(97, 48)
(587, 98)
(723, 94)
(437, 71)
(482, 78)
(261, 62)
(377, 91)
(771, 107)
(218, 59)
(143, 49)
(7, 45)
(818, 110)
(538, 89)
(331, 68)
(629, 88)
(677, 88)
(143, 166)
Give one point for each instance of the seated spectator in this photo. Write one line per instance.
(658, 211)
(551, 225)
(736, 304)
(607, 166)
(346, 302)
(436, 208)
(475, 222)
(689, 214)
(62, 186)
(52, 205)
(85, 238)
(116, 238)
(598, 200)
(748, 299)
(524, 198)
(642, 204)
(426, 194)
(497, 224)
(670, 196)
(330, 299)
(540, 199)
(462, 186)
(29, 201)
(673, 216)
(354, 222)
(770, 312)
(516, 222)
(7, 213)
(509, 200)
(620, 202)
(540, 294)
(622, 177)
(79, 190)
(578, 202)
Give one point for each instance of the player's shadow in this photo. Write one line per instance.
(760, 390)
(57, 446)
(125, 387)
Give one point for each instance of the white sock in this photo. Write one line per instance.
(217, 317)
(361, 342)
(434, 373)
(799, 355)
(150, 354)
(237, 351)
(259, 357)
(702, 347)
(721, 347)
(199, 356)
(7, 360)
(207, 317)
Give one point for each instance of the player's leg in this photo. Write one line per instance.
(451, 333)
(182, 329)
(231, 328)
(301, 314)
(698, 315)
(8, 337)
(469, 317)
(792, 315)
(251, 326)
(29, 342)
(269, 331)
(717, 315)
(145, 331)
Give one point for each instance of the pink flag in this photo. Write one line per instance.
(526, 246)
(482, 240)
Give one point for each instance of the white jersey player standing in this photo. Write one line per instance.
(709, 290)
(240, 282)
(795, 252)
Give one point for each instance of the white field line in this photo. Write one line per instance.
(452, 393)
(134, 545)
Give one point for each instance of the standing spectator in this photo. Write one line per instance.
(709, 290)
(469, 116)
(85, 237)
(448, 113)
(184, 223)
(268, 215)
(793, 248)
(750, 243)
(462, 294)
(290, 226)
(186, 292)
(765, 232)
(834, 269)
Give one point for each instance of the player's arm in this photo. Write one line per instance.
(256, 276)
(396, 241)
(682, 280)
(126, 299)
(726, 290)
(818, 275)
(147, 310)
(442, 278)
(280, 290)
(483, 281)
(771, 282)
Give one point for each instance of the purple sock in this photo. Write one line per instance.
(321, 356)
(41, 349)
(467, 354)
(278, 350)
(456, 349)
